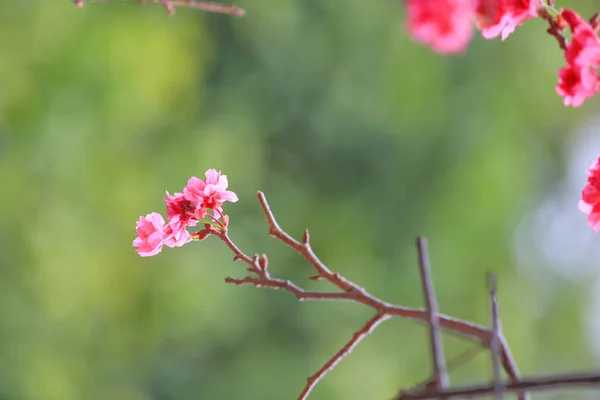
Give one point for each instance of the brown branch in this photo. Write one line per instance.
(453, 363)
(349, 291)
(540, 383)
(495, 335)
(358, 336)
(440, 374)
(555, 27)
(170, 5)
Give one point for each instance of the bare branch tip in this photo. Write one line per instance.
(263, 262)
(492, 282)
(306, 237)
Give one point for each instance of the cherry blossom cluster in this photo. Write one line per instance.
(590, 197)
(447, 27)
(185, 210)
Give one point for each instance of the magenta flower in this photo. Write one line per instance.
(576, 84)
(579, 81)
(183, 210)
(210, 194)
(150, 234)
(444, 25)
(186, 210)
(590, 197)
(501, 17)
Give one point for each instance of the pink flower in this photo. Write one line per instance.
(584, 49)
(590, 197)
(576, 84)
(579, 81)
(444, 25)
(186, 210)
(150, 235)
(183, 210)
(175, 234)
(501, 17)
(210, 194)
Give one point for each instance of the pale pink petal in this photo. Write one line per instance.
(194, 189)
(175, 234)
(229, 196)
(212, 176)
(150, 232)
(585, 207)
(594, 221)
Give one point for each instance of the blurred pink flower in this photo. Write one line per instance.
(579, 81)
(584, 49)
(150, 231)
(444, 25)
(501, 17)
(590, 197)
(576, 84)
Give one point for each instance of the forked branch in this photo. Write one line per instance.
(347, 291)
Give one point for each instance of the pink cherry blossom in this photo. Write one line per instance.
(590, 197)
(501, 17)
(175, 234)
(579, 81)
(576, 84)
(150, 231)
(183, 210)
(584, 48)
(188, 211)
(444, 25)
(210, 194)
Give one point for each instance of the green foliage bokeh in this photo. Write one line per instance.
(350, 129)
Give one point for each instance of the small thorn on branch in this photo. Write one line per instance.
(306, 237)
(263, 262)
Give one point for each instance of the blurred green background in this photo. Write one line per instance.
(350, 129)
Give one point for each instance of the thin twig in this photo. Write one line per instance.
(455, 362)
(495, 335)
(358, 336)
(463, 357)
(200, 5)
(556, 26)
(540, 383)
(440, 374)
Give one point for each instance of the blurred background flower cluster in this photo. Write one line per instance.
(350, 129)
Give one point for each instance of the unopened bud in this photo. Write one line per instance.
(200, 235)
